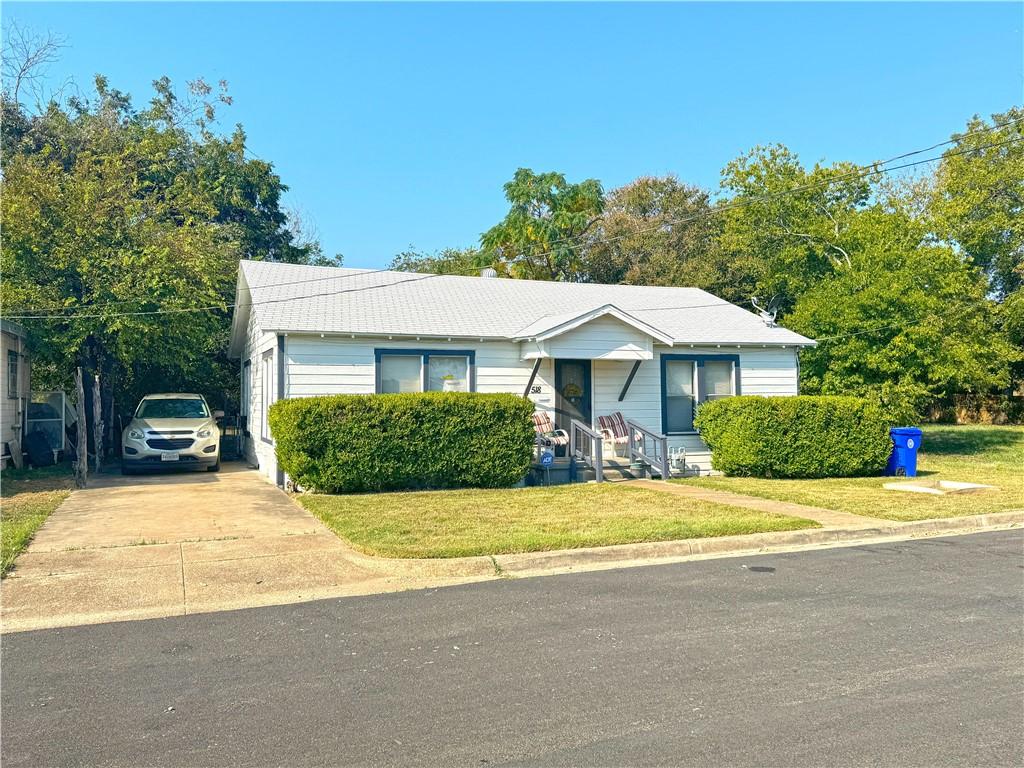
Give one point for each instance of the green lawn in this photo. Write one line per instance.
(491, 522)
(28, 498)
(975, 454)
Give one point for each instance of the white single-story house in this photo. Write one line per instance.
(578, 350)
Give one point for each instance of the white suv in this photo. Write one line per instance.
(171, 430)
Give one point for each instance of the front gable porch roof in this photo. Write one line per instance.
(549, 326)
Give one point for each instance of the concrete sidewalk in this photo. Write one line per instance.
(829, 518)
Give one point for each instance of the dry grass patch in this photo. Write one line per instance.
(971, 453)
(28, 498)
(491, 522)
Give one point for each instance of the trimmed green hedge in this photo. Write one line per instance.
(801, 436)
(360, 443)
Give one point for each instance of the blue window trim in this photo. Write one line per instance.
(425, 355)
(699, 360)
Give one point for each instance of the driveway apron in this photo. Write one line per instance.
(171, 544)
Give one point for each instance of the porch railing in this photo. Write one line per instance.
(649, 447)
(587, 447)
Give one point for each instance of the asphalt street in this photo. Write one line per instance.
(904, 654)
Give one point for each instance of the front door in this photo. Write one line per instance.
(572, 392)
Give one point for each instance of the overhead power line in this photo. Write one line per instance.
(874, 165)
(860, 172)
(220, 307)
(90, 307)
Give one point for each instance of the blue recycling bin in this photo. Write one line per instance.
(905, 443)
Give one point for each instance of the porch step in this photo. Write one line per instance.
(613, 472)
(697, 463)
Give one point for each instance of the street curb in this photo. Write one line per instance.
(650, 553)
(535, 563)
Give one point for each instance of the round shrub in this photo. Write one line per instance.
(800, 436)
(361, 443)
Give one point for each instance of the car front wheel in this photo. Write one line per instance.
(215, 467)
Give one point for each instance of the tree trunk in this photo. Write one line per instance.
(97, 422)
(115, 448)
(82, 464)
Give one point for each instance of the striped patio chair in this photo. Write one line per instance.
(614, 430)
(547, 435)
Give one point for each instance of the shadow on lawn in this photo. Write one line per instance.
(957, 440)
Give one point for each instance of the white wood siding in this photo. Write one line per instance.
(769, 372)
(337, 365)
(605, 338)
(642, 402)
(257, 451)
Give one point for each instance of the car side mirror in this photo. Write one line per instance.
(218, 415)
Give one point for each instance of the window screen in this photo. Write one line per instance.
(451, 370)
(401, 373)
(12, 374)
(679, 395)
(718, 380)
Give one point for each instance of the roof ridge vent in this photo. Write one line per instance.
(488, 272)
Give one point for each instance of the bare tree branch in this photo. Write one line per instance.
(26, 57)
(305, 232)
(818, 241)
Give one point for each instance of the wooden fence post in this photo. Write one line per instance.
(97, 422)
(82, 464)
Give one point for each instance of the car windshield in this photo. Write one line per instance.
(172, 408)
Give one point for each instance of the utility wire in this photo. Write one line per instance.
(220, 307)
(862, 172)
(745, 201)
(898, 324)
(869, 166)
(87, 307)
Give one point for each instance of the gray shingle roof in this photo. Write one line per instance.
(295, 298)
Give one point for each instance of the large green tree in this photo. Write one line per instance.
(907, 320)
(843, 253)
(123, 228)
(977, 202)
(448, 261)
(654, 231)
(978, 199)
(786, 226)
(541, 236)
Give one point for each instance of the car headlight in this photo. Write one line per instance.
(204, 433)
(135, 434)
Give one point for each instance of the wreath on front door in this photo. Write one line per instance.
(572, 390)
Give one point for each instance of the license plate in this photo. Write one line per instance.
(169, 456)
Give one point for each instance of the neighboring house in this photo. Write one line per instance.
(16, 390)
(578, 350)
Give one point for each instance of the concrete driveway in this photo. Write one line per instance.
(171, 544)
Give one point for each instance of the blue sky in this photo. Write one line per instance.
(397, 125)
